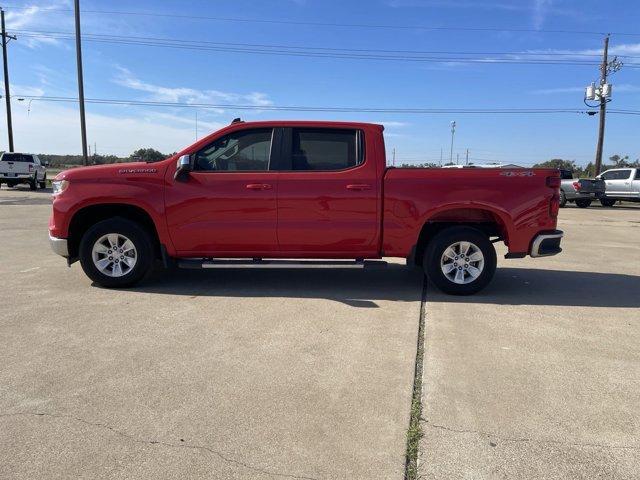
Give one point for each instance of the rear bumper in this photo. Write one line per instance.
(59, 246)
(18, 177)
(546, 244)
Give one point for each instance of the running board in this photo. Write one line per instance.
(259, 263)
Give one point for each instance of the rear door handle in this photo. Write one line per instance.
(358, 186)
(258, 186)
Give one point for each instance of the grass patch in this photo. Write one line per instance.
(415, 433)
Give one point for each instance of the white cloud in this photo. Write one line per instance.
(540, 10)
(38, 16)
(160, 93)
(58, 130)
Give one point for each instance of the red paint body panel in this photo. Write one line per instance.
(363, 212)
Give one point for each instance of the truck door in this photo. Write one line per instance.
(635, 184)
(328, 194)
(618, 182)
(227, 206)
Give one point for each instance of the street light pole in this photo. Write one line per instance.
(453, 132)
(83, 122)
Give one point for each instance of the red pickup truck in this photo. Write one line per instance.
(300, 190)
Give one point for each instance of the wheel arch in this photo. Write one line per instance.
(88, 216)
(489, 221)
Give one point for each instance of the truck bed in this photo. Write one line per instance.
(515, 199)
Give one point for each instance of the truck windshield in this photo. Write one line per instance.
(16, 157)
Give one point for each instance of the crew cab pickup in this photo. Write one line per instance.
(18, 168)
(269, 191)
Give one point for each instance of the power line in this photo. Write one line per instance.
(302, 108)
(313, 51)
(173, 16)
(47, 33)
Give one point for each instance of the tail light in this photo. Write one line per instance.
(577, 186)
(554, 206)
(31, 167)
(553, 182)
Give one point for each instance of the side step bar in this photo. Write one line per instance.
(199, 263)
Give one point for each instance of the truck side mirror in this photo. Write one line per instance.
(46, 164)
(184, 166)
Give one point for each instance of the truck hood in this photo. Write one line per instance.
(115, 170)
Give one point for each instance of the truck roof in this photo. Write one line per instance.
(318, 123)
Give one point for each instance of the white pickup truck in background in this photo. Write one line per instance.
(621, 184)
(18, 168)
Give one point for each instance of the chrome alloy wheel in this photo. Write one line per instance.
(462, 262)
(114, 255)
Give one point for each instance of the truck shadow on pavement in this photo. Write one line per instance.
(529, 286)
(357, 288)
(362, 288)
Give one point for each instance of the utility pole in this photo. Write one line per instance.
(457, 159)
(453, 132)
(467, 160)
(603, 105)
(440, 156)
(83, 122)
(393, 162)
(7, 94)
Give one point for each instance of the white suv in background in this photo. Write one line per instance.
(18, 168)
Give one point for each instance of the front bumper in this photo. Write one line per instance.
(546, 244)
(59, 246)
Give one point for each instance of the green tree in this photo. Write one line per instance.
(147, 155)
(558, 163)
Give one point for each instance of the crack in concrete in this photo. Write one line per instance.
(135, 439)
(531, 440)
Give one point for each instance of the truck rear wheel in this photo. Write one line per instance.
(33, 183)
(563, 199)
(116, 253)
(460, 260)
(607, 202)
(583, 202)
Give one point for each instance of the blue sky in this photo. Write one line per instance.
(46, 66)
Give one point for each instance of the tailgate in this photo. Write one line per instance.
(12, 164)
(589, 185)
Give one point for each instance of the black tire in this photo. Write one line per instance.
(583, 202)
(442, 241)
(563, 199)
(33, 184)
(131, 230)
(43, 182)
(607, 202)
(10, 184)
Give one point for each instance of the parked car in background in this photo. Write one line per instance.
(18, 168)
(581, 191)
(621, 184)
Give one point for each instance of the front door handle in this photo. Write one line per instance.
(258, 186)
(359, 186)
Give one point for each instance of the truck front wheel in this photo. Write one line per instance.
(116, 253)
(460, 260)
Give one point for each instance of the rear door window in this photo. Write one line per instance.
(616, 175)
(325, 149)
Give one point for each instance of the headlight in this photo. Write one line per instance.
(59, 186)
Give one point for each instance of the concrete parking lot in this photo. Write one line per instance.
(538, 376)
(309, 373)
